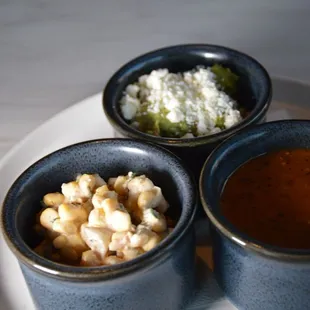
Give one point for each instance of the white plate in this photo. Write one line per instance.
(290, 101)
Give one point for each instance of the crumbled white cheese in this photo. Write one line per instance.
(192, 97)
(230, 118)
(175, 116)
(132, 90)
(130, 106)
(188, 135)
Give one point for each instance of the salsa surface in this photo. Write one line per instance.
(268, 198)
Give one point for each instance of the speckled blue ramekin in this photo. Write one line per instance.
(163, 278)
(254, 275)
(253, 94)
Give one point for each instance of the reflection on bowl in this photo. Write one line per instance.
(253, 273)
(253, 94)
(133, 284)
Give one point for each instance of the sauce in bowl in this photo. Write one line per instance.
(268, 198)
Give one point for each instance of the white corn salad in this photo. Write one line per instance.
(93, 222)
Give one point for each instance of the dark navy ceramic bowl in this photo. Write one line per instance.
(254, 275)
(162, 278)
(254, 94)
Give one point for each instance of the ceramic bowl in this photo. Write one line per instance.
(254, 94)
(162, 278)
(252, 274)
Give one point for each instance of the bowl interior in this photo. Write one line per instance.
(254, 83)
(108, 158)
(237, 150)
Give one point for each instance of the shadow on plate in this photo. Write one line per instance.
(207, 293)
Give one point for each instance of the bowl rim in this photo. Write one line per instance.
(146, 261)
(232, 233)
(119, 124)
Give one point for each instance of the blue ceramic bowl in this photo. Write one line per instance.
(254, 275)
(254, 94)
(162, 278)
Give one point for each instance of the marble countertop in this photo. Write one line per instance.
(55, 53)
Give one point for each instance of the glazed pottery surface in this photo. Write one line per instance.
(253, 93)
(253, 275)
(163, 278)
